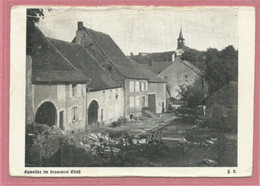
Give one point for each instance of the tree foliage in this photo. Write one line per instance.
(33, 16)
(221, 67)
(195, 57)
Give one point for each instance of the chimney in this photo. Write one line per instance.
(80, 25)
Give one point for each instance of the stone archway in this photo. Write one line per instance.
(93, 113)
(46, 114)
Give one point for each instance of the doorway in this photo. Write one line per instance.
(93, 113)
(152, 102)
(46, 114)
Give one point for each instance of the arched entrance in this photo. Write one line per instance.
(93, 113)
(46, 114)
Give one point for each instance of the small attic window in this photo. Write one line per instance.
(109, 68)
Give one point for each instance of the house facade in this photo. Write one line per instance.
(156, 89)
(104, 97)
(67, 88)
(54, 88)
(182, 73)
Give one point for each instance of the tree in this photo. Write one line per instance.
(221, 67)
(190, 95)
(32, 16)
(195, 57)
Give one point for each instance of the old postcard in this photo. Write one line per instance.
(131, 91)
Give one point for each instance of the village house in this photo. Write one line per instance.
(55, 89)
(104, 97)
(156, 90)
(182, 73)
(69, 89)
(106, 52)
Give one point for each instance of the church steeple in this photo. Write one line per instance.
(180, 40)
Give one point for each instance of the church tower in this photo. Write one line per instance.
(180, 40)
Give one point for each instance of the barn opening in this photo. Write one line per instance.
(46, 114)
(152, 102)
(93, 113)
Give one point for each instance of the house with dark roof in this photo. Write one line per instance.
(111, 58)
(55, 88)
(68, 88)
(156, 89)
(104, 96)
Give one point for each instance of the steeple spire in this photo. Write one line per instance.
(180, 40)
(180, 35)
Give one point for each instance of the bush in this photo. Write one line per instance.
(43, 142)
(119, 122)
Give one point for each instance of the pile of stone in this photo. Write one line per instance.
(101, 144)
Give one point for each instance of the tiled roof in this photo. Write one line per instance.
(153, 78)
(80, 58)
(192, 67)
(158, 67)
(49, 65)
(105, 49)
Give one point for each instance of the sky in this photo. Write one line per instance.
(148, 29)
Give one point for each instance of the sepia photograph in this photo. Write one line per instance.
(142, 95)
(133, 87)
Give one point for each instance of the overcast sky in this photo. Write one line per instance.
(148, 29)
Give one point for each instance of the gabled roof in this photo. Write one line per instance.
(187, 64)
(192, 67)
(152, 78)
(106, 49)
(158, 67)
(49, 65)
(80, 58)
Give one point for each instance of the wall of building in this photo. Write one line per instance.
(159, 89)
(49, 93)
(179, 74)
(132, 105)
(111, 101)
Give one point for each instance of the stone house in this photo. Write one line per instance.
(183, 73)
(106, 52)
(156, 89)
(104, 97)
(68, 88)
(55, 89)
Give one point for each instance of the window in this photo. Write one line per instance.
(137, 101)
(131, 102)
(144, 86)
(137, 86)
(61, 92)
(131, 86)
(109, 68)
(103, 96)
(75, 91)
(116, 94)
(74, 114)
